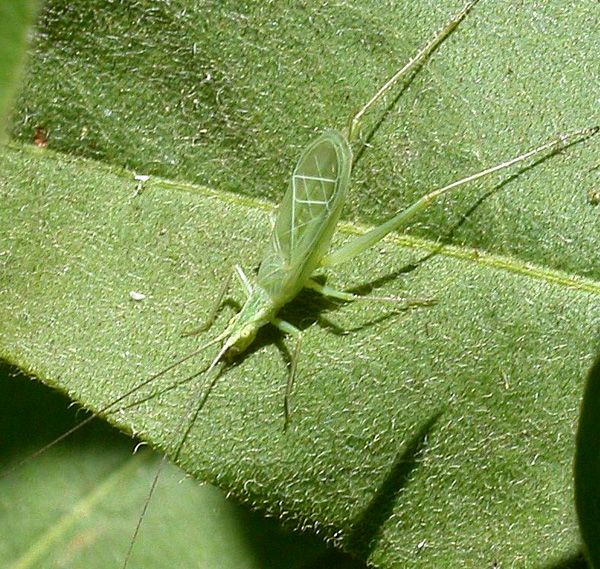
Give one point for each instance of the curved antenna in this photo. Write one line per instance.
(108, 407)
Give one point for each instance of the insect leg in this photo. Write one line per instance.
(349, 297)
(291, 330)
(237, 270)
(360, 244)
(415, 62)
(241, 275)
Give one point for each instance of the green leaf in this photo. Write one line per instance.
(587, 467)
(16, 17)
(440, 436)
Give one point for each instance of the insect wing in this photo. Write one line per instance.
(307, 215)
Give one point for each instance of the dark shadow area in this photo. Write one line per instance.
(336, 559)
(339, 331)
(310, 307)
(587, 465)
(366, 530)
(573, 561)
(272, 543)
(367, 288)
(32, 415)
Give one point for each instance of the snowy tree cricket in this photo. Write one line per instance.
(307, 218)
(303, 229)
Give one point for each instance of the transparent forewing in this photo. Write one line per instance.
(308, 213)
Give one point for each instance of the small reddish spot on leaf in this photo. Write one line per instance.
(40, 137)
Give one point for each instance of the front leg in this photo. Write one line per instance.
(239, 273)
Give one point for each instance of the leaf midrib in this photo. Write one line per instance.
(509, 264)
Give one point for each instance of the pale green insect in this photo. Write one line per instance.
(307, 219)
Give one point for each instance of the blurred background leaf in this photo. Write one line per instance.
(16, 17)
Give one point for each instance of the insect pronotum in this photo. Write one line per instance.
(302, 232)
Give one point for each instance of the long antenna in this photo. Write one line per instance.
(108, 407)
(188, 418)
